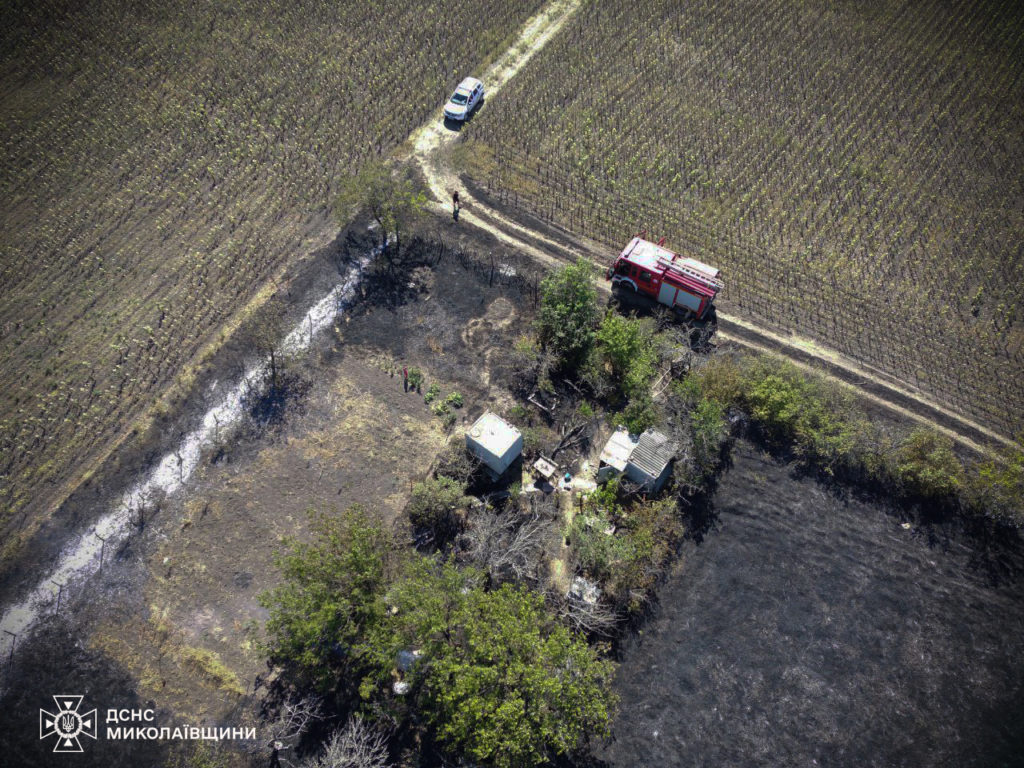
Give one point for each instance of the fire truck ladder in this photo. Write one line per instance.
(691, 273)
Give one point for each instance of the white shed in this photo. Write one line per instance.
(615, 455)
(495, 442)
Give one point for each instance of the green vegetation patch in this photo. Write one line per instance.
(491, 673)
(825, 427)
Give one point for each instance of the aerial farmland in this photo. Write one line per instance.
(511, 384)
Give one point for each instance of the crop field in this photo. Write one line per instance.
(162, 161)
(856, 169)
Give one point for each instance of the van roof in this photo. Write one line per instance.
(468, 83)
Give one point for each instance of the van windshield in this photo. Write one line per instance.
(459, 98)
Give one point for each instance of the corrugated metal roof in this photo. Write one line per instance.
(653, 451)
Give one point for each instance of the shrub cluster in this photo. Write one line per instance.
(825, 427)
(438, 505)
(624, 547)
(490, 674)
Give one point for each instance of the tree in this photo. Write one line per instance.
(568, 313)
(499, 679)
(329, 596)
(507, 546)
(392, 196)
(264, 334)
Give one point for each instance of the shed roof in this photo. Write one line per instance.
(652, 453)
(617, 450)
(494, 433)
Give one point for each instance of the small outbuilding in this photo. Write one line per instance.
(545, 468)
(495, 442)
(615, 455)
(650, 463)
(646, 461)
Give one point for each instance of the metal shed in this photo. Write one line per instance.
(615, 455)
(495, 442)
(650, 461)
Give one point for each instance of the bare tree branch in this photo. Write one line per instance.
(506, 545)
(356, 745)
(597, 618)
(285, 731)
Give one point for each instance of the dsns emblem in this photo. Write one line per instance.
(68, 724)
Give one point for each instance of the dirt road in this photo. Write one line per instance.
(430, 142)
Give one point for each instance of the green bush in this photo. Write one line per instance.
(597, 552)
(437, 505)
(926, 466)
(721, 378)
(708, 429)
(627, 562)
(525, 364)
(626, 346)
(817, 419)
(585, 411)
(502, 682)
(534, 439)
(568, 313)
(415, 378)
(996, 485)
(777, 405)
(431, 394)
(518, 413)
(454, 400)
(639, 415)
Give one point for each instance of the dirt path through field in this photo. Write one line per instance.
(429, 150)
(429, 141)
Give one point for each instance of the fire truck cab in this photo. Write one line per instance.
(686, 285)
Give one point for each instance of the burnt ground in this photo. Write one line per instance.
(810, 630)
(174, 616)
(309, 276)
(803, 628)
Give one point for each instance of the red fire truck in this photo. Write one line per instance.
(649, 269)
